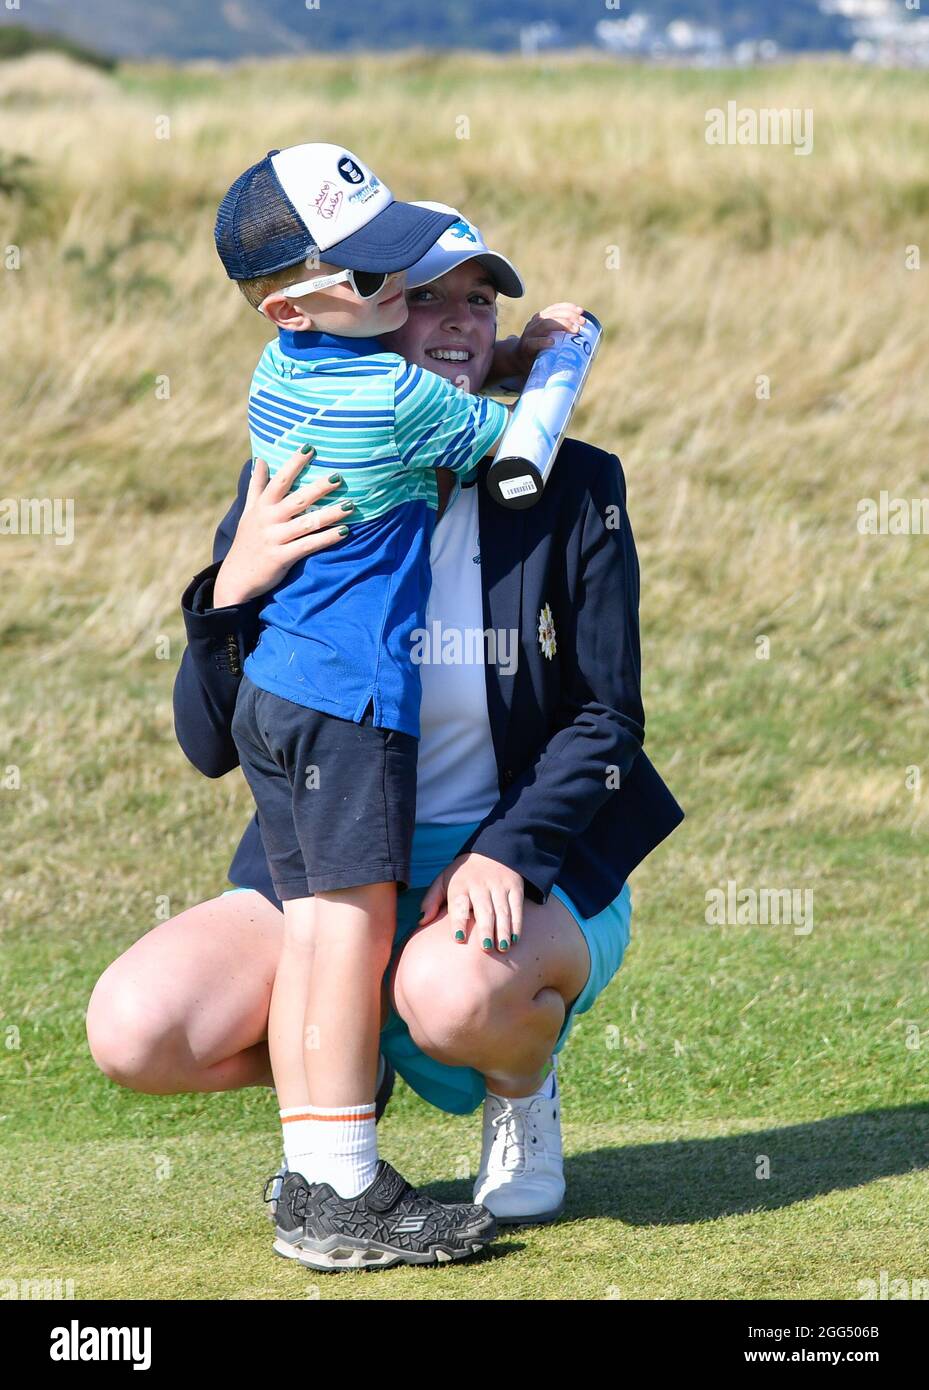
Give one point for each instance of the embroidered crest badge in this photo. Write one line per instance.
(547, 632)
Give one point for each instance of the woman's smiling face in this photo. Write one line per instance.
(452, 326)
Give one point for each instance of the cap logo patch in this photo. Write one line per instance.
(327, 201)
(460, 229)
(361, 195)
(349, 170)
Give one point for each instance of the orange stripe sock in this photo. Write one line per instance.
(332, 1144)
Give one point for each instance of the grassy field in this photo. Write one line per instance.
(799, 760)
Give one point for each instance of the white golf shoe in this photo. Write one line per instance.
(521, 1178)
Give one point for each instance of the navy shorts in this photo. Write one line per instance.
(336, 800)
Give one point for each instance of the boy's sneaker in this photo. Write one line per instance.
(385, 1090)
(389, 1223)
(521, 1177)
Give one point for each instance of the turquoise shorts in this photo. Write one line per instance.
(459, 1090)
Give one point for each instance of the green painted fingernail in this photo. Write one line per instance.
(343, 531)
(515, 937)
(487, 943)
(504, 944)
(348, 506)
(308, 449)
(335, 477)
(459, 936)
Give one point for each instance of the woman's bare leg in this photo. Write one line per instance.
(499, 1014)
(185, 1008)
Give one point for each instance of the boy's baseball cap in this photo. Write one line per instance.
(463, 242)
(321, 199)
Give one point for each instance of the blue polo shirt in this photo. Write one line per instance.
(337, 631)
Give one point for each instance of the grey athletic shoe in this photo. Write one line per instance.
(389, 1223)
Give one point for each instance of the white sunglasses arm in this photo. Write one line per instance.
(322, 282)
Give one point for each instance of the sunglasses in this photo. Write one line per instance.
(365, 283)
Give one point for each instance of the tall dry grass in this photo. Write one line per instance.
(735, 263)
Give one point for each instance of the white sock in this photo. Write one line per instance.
(333, 1144)
(381, 1068)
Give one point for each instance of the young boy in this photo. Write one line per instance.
(327, 718)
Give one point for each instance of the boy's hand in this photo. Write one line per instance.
(276, 530)
(475, 886)
(513, 357)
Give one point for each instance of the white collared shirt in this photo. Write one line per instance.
(457, 769)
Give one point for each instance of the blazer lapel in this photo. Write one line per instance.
(502, 533)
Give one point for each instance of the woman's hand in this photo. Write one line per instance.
(275, 530)
(474, 885)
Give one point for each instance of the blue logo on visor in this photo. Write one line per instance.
(460, 229)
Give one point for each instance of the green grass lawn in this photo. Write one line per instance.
(713, 1050)
(655, 1211)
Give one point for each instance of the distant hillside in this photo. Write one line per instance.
(16, 41)
(229, 29)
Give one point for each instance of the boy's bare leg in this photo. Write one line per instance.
(326, 1006)
(324, 1028)
(353, 933)
(288, 1004)
(340, 1205)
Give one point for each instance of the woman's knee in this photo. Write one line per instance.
(127, 1032)
(449, 1001)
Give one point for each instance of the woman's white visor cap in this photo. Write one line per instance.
(463, 242)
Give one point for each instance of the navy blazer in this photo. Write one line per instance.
(580, 803)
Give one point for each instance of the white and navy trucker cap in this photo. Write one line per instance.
(319, 200)
(463, 242)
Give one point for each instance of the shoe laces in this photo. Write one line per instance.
(512, 1123)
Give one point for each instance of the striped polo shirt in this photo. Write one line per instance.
(337, 631)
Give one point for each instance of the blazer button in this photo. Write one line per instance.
(507, 777)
